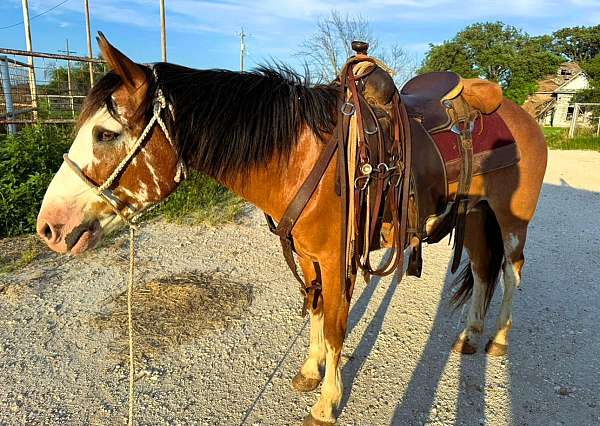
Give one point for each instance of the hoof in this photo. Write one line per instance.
(461, 346)
(496, 349)
(304, 384)
(309, 420)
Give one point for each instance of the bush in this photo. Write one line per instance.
(201, 199)
(28, 162)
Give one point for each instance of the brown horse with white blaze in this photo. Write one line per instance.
(260, 134)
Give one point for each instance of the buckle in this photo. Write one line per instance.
(348, 108)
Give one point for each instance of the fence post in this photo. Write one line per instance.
(89, 42)
(574, 120)
(5, 76)
(32, 83)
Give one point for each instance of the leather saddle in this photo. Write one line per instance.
(435, 102)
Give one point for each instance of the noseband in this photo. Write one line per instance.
(104, 192)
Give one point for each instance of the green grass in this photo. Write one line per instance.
(557, 138)
(25, 257)
(201, 199)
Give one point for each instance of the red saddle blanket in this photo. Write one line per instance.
(493, 147)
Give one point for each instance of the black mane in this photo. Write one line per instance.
(227, 122)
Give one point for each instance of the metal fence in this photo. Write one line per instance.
(50, 91)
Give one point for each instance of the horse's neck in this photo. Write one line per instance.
(272, 188)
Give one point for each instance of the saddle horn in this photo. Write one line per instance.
(360, 47)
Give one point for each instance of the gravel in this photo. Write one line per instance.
(61, 334)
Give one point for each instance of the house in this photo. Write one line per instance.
(552, 104)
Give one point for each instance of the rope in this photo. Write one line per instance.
(130, 321)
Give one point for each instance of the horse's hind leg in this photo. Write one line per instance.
(514, 242)
(478, 279)
(309, 376)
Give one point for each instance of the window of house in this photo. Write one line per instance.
(570, 111)
(565, 72)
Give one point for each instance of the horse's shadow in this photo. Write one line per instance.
(547, 375)
(419, 396)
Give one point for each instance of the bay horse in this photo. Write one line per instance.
(259, 133)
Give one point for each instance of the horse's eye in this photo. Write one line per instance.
(107, 136)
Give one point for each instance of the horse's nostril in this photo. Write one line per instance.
(47, 232)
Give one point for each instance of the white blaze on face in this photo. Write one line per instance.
(67, 191)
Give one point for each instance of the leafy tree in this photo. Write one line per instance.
(497, 52)
(592, 94)
(58, 79)
(578, 44)
(326, 51)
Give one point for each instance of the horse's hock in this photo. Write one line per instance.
(173, 310)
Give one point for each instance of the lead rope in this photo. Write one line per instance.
(104, 192)
(130, 321)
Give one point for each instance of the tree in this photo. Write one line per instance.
(592, 94)
(497, 52)
(326, 51)
(577, 44)
(57, 78)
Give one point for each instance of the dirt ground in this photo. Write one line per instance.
(218, 334)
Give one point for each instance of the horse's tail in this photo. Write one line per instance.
(463, 283)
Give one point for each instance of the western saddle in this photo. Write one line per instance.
(391, 177)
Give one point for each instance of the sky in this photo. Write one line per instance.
(205, 34)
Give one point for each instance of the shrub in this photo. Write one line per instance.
(201, 199)
(28, 162)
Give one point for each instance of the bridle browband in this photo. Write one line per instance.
(159, 103)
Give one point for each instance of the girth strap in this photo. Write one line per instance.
(293, 212)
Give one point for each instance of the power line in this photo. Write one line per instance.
(35, 16)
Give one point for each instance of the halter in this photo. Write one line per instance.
(104, 192)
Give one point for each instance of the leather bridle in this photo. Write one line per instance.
(104, 192)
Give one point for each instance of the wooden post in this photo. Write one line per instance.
(89, 42)
(242, 49)
(163, 33)
(573, 120)
(32, 83)
(69, 81)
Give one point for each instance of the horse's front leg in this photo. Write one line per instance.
(309, 376)
(335, 315)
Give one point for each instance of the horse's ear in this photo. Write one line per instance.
(132, 74)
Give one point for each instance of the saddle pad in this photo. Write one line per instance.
(493, 147)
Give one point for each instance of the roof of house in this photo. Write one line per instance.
(538, 103)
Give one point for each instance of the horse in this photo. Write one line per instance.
(259, 133)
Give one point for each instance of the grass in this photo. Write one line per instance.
(17, 256)
(201, 199)
(557, 138)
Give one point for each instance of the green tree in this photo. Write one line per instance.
(58, 78)
(578, 44)
(592, 94)
(497, 52)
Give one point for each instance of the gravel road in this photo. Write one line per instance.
(230, 354)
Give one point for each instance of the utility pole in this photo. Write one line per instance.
(89, 41)
(68, 52)
(32, 84)
(163, 33)
(242, 49)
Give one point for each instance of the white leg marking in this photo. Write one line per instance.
(316, 351)
(511, 280)
(474, 326)
(331, 389)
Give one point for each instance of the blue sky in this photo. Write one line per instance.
(202, 34)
